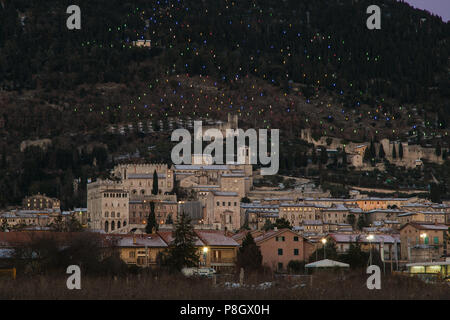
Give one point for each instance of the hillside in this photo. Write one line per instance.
(280, 64)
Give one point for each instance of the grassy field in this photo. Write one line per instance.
(324, 286)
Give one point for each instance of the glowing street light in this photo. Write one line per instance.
(324, 241)
(370, 237)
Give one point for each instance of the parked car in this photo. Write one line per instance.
(206, 272)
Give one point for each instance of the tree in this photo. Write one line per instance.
(169, 219)
(323, 155)
(267, 225)
(249, 255)
(245, 200)
(245, 224)
(73, 225)
(438, 150)
(295, 266)
(151, 221)
(351, 219)
(381, 153)
(372, 150)
(58, 224)
(361, 222)
(400, 150)
(435, 193)
(155, 183)
(330, 249)
(367, 157)
(182, 251)
(282, 224)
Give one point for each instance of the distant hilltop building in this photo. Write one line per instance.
(412, 157)
(39, 202)
(138, 178)
(142, 43)
(41, 143)
(107, 205)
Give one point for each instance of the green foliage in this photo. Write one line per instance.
(155, 183)
(296, 266)
(381, 153)
(245, 200)
(362, 223)
(249, 255)
(182, 251)
(280, 223)
(351, 219)
(152, 224)
(394, 151)
(169, 219)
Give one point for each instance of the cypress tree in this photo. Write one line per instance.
(155, 183)
(381, 153)
(400, 150)
(151, 221)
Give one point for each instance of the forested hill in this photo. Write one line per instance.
(283, 64)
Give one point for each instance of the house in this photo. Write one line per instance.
(278, 247)
(140, 250)
(219, 251)
(422, 236)
(389, 244)
(216, 249)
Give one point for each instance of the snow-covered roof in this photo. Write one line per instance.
(327, 263)
(216, 238)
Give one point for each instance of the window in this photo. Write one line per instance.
(283, 238)
(295, 252)
(280, 266)
(296, 238)
(436, 240)
(218, 203)
(280, 252)
(132, 254)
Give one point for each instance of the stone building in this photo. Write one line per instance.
(138, 178)
(107, 205)
(39, 202)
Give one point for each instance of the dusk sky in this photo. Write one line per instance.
(439, 7)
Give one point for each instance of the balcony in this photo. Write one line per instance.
(223, 262)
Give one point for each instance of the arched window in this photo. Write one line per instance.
(118, 224)
(112, 225)
(106, 226)
(106, 214)
(142, 191)
(124, 223)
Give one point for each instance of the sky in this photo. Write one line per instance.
(438, 7)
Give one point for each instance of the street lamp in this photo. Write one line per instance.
(324, 241)
(370, 237)
(205, 251)
(424, 237)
